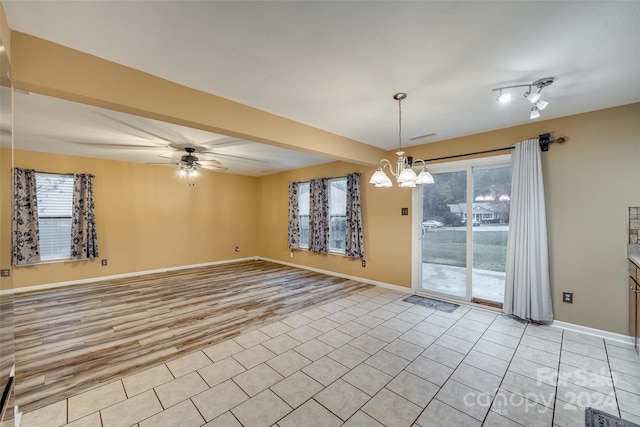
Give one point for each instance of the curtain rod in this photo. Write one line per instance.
(544, 140)
(329, 177)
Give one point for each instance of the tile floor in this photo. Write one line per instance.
(371, 359)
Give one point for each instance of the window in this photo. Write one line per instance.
(303, 208)
(337, 214)
(55, 200)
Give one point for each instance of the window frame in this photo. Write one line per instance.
(467, 165)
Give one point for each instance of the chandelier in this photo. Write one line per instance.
(532, 96)
(403, 172)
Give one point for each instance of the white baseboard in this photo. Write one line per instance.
(120, 276)
(344, 276)
(626, 339)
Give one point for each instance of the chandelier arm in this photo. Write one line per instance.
(385, 162)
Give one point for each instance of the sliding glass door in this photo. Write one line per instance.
(461, 225)
(444, 236)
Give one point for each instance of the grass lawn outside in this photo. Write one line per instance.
(447, 246)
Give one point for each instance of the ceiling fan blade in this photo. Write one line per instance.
(124, 146)
(129, 125)
(212, 161)
(225, 142)
(213, 168)
(163, 163)
(238, 158)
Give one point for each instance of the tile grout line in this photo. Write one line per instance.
(555, 400)
(613, 385)
(453, 369)
(506, 371)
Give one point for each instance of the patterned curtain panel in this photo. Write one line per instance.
(319, 215)
(84, 240)
(354, 242)
(26, 237)
(294, 217)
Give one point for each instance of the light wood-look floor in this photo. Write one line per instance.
(75, 338)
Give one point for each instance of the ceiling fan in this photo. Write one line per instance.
(189, 164)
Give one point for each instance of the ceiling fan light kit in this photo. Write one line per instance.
(532, 95)
(403, 171)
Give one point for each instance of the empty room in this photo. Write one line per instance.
(319, 213)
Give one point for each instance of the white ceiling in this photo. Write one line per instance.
(335, 65)
(53, 125)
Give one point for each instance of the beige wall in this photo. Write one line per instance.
(147, 218)
(590, 182)
(385, 230)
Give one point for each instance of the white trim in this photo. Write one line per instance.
(416, 239)
(592, 331)
(120, 276)
(344, 276)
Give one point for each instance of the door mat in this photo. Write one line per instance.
(448, 307)
(595, 418)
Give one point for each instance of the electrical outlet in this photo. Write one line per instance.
(405, 211)
(567, 297)
(104, 262)
(364, 263)
(5, 272)
(237, 248)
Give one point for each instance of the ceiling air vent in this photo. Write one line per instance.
(421, 137)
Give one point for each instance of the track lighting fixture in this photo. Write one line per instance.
(532, 94)
(404, 173)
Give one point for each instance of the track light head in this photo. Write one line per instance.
(535, 113)
(504, 98)
(542, 104)
(533, 97)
